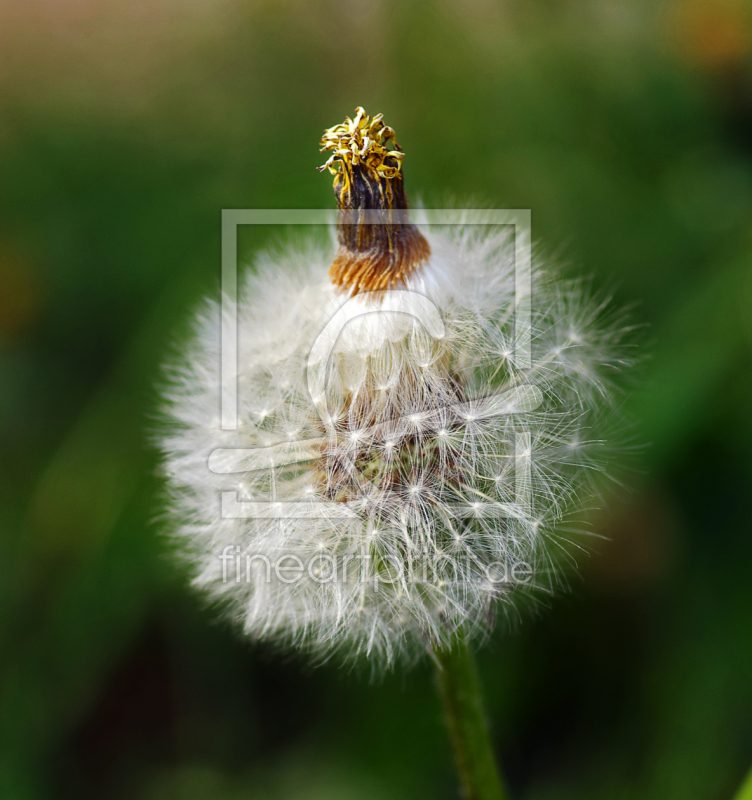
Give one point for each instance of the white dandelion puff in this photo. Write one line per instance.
(398, 471)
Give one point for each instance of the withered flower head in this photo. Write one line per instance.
(378, 246)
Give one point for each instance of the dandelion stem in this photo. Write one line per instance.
(459, 688)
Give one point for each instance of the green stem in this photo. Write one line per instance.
(745, 791)
(463, 709)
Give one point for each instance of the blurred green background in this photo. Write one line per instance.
(125, 127)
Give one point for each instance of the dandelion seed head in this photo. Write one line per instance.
(399, 442)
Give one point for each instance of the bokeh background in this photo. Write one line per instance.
(125, 126)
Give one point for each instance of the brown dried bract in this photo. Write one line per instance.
(379, 247)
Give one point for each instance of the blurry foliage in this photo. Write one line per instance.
(125, 128)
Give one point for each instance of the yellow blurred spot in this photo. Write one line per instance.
(19, 292)
(711, 34)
